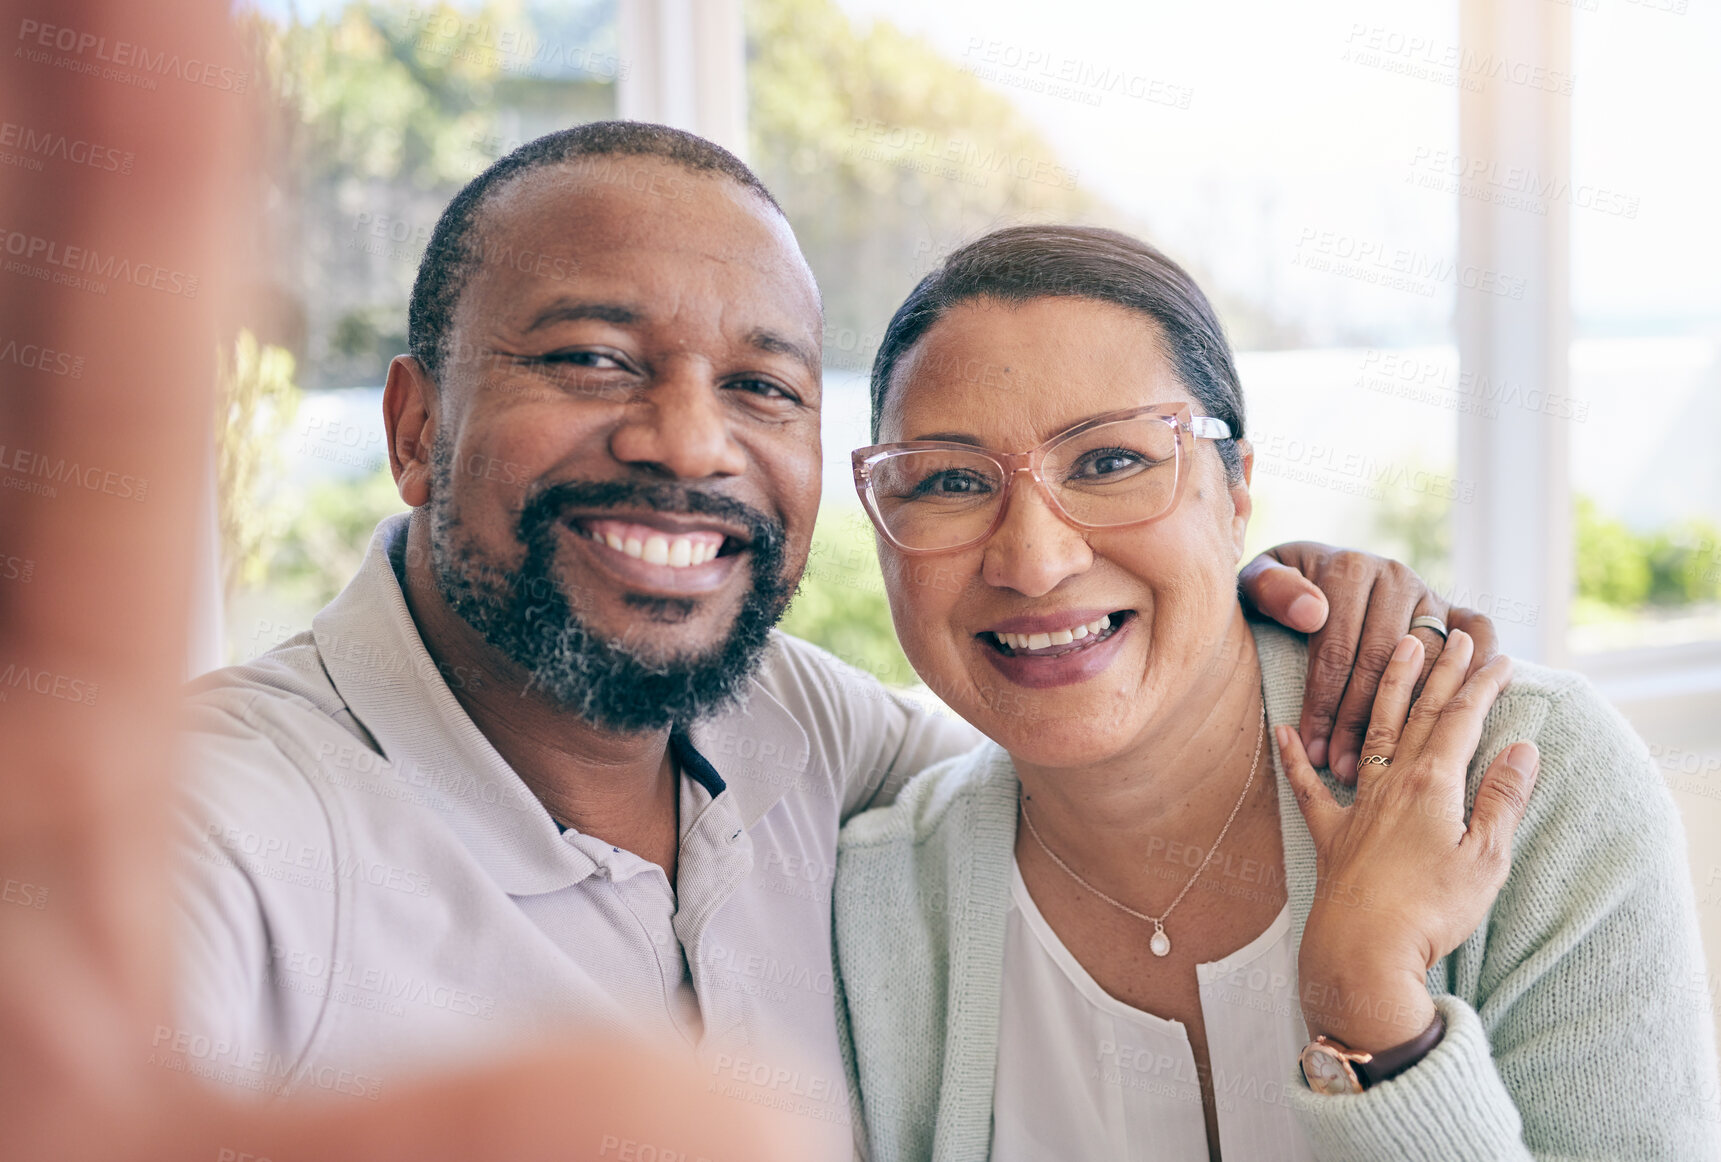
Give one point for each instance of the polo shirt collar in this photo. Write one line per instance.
(374, 656)
(757, 748)
(376, 660)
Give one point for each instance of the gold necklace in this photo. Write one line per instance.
(1161, 943)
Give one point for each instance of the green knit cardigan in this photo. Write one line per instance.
(1578, 1023)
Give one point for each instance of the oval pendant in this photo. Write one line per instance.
(1161, 943)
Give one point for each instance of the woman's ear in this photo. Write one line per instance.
(1242, 502)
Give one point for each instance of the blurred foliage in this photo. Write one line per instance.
(376, 113)
(256, 400)
(373, 331)
(1416, 528)
(325, 542)
(841, 604)
(885, 154)
(376, 94)
(1617, 568)
(1625, 569)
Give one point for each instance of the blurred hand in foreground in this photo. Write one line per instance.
(101, 500)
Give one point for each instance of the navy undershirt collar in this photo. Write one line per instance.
(688, 758)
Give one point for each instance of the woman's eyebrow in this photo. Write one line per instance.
(965, 438)
(954, 438)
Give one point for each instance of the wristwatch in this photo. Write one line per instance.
(1332, 1067)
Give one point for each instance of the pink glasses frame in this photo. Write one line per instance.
(1189, 427)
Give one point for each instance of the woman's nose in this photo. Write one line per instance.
(681, 429)
(1035, 549)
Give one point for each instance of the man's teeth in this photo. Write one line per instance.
(680, 552)
(1061, 637)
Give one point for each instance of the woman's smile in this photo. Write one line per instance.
(1055, 649)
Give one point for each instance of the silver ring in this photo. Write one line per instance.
(1427, 622)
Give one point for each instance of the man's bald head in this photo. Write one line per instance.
(448, 260)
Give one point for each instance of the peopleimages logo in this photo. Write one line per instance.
(58, 258)
(36, 357)
(47, 143)
(121, 54)
(21, 462)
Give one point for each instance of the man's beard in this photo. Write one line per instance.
(527, 616)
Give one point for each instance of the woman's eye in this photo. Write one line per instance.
(951, 482)
(1109, 463)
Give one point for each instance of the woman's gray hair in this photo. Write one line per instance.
(1030, 262)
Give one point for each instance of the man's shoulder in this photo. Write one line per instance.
(258, 733)
(937, 802)
(288, 677)
(795, 671)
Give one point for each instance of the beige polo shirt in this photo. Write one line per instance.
(369, 892)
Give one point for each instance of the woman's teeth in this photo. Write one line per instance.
(1061, 637)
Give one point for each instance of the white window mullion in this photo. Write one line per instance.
(1513, 541)
(684, 63)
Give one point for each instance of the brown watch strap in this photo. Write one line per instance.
(1392, 1062)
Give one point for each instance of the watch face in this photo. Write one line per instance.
(1327, 1072)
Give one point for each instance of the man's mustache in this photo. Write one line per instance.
(544, 508)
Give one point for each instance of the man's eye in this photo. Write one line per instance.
(597, 360)
(764, 388)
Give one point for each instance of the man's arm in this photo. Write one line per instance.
(243, 811)
(869, 738)
(1355, 607)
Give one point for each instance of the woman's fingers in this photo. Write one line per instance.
(1391, 702)
(1500, 804)
(1459, 728)
(1443, 683)
(1320, 810)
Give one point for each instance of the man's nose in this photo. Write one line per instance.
(1035, 549)
(681, 429)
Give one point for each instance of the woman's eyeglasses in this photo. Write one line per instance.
(1123, 468)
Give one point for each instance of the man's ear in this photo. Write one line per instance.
(1242, 501)
(409, 405)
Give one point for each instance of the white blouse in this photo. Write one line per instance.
(1081, 1075)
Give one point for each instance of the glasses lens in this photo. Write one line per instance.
(936, 499)
(1117, 473)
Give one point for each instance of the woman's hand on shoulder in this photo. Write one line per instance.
(1354, 606)
(1402, 877)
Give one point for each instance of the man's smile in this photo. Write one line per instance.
(662, 554)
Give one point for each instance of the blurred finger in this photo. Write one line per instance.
(1391, 705)
(627, 1102)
